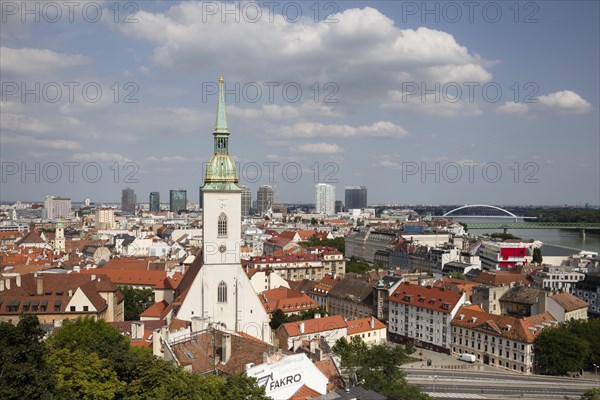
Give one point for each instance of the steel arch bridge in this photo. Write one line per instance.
(483, 210)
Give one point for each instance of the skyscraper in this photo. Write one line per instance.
(246, 200)
(356, 197)
(339, 206)
(325, 194)
(128, 200)
(265, 198)
(178, 200)
(154, 202)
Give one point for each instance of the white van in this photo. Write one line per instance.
(468, 357)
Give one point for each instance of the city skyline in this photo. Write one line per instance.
(367, 114)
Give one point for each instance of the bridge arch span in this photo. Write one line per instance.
(508, 213)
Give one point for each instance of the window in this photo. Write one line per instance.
(72, 308)
(222, 292)
(86, 308)
(222, 225)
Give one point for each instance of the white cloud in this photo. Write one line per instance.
(317, 129)
(387, 164)
(100, 156)
(33, 63)
(444, 105)
(510, 107)
(29, 141)
(566, 101)
(363, 44)
(318, 148)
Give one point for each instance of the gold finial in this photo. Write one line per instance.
(220, 79)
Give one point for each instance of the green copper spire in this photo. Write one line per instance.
(221, 125)
(221, 171)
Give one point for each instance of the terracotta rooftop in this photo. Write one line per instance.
(155, 310)
(314, 325)
(364, 325)
(431, 298)
(286, 300)
(523, 330)
(328, 368)
(135, 277)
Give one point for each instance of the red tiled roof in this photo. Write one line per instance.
(364, 325)
(569, 302)
(287, 300)
(428, 297)
(305, 393)
(155, 310)
(475, 318)
(314, 325)
(129, 277)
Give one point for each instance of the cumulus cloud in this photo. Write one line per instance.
(28, 141)
(101, 156)
(565, 101)
(316, 129)
(363, 44)
(510, 107)
(318, 148)
(33, 63)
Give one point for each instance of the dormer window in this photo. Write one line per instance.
(222, 225)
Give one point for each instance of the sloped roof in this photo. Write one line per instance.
(523, 295)
(569, 302)
(155, 310)
(314, 325)
(33, 237)
(364, 325)
(431, 298)
(304, 393)
(352, 289)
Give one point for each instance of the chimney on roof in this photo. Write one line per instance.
(226, 348)
(301, 327)
(93, 277)
(317, 315)
(18, 280)
(1, 285)
(39, 284)
(372, 322)
(137, 330)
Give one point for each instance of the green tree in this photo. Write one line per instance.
(24, 373)
(457, 275)
(358, 266)
(591, 394)
(313, 221)
(136, 301)
(97, 336)
(377, 367)
(558, 352)
(537, 255)
(242, 387)
(84, 376)
(278, 318)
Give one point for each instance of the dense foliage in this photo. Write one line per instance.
(503, 236)
(377, 368)
(568, 348)
(279, 317)
(337, 243)
(360, 266)
(565, 215)
(88, 359)
(537, 256)
(136, 301)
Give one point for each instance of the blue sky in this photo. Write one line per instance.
(455, 105)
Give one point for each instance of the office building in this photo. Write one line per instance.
(128, 200)
(177, 200)
(246, 200)
(57, 207)
(356, 197)
(154, 202)
(105, 218)
(325, 194)
(265, 198)
(339, 206)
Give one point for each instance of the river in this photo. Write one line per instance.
(562, 237)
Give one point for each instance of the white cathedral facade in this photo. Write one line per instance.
(221, 292)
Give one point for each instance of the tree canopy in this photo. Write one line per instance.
(377, 368)
(136, 301)
(568, 348)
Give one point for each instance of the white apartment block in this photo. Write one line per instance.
(325, 198)
(57, 207)
(557, 278)
(423, 314)
(105, 218)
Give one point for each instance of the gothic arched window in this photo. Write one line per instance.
(222, 225)
(222, 292)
